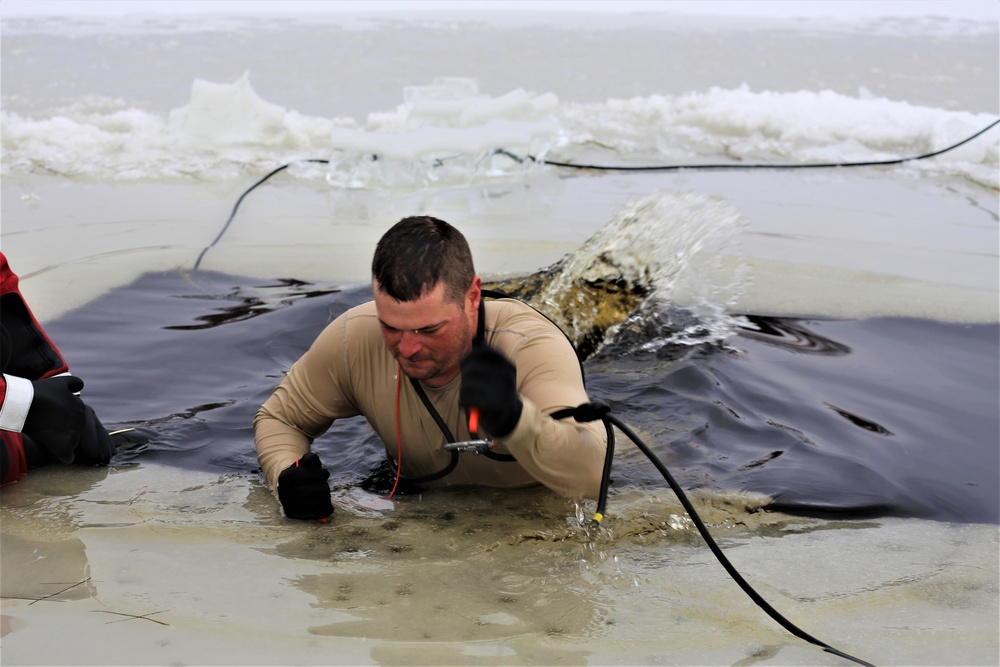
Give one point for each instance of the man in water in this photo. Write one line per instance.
(430, 362)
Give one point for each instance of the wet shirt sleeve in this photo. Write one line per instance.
(314, 393)
(564, 455)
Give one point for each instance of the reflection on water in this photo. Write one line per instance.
(789, 333)
(861, 422)
(244, 303)
(884, 416)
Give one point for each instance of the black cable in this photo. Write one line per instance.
(593, 411)
(568, 165)
(240, 201)
(609, 455)
(806, 165)
(733, 572)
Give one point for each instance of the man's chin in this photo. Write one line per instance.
(417, 372)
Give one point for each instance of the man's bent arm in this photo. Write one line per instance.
(564, 455)
(302, 406)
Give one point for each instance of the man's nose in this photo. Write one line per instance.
(409, 343)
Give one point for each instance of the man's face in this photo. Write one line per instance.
(429, 336)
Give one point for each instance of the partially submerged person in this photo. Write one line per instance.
(421, 359)
(43, 420)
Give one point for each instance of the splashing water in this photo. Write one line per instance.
(665, 263)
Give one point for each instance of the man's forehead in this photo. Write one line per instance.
(435, 294)
(429, 310)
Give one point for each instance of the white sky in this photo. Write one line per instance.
(971, 9)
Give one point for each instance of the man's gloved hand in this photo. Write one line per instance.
(303, 489)
(489, 383)
(96, 447)
(56, 417)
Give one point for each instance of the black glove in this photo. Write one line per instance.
(303, 490)
(96, 447)
(56, 417)
(489, 383)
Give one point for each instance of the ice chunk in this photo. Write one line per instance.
(445, 134)
(230, 113)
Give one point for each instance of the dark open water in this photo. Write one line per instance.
(884, 416)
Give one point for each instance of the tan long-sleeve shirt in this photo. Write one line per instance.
(349, 371)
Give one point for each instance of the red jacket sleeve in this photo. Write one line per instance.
(29, 352)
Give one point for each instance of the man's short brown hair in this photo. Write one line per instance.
(419, 252)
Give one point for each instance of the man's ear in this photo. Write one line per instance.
(475, 294)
